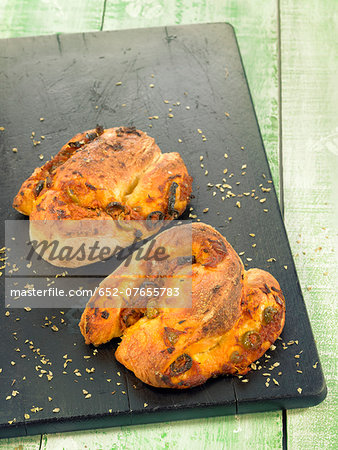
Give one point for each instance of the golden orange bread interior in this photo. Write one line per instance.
(234, 317)
(107, 174)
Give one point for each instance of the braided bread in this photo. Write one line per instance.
(235, 315)
(117, 173)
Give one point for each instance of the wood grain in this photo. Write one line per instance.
(20, 443)
(310, 162)
(37, 17)
(230, 432)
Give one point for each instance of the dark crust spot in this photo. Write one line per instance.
(99, 129)
(266, 289)
(182, 364)
(275, 289)
(130, 316)
(279, 300)
(76, 172)
(172, 200)
(91, 136)
(61, 213)
(75, 144)
(153, 215)
(114, 208)
(38, 188)
(90, 186)
(132, 130)
(170, 336)
(105, 314)
(216, 288)
(117, 147)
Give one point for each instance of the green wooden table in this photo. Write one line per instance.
(290, 53)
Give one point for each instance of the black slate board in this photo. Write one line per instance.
(63, 78)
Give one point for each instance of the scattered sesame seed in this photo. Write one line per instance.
(54, 328)
(42, 119)
(151, 85)
(227, 114)
(56, 410)
(118, 83)
(205, 210)
(14, 150)
(179, 140)
(2, 128)
(300, 390)
(27, 416)
(170, 115)
(238, 204)
(225, 156)
(145, 405)
(199, 131)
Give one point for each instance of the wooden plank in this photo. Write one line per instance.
(217, 433)
(27, 443)
(310, 161)
(37, 17)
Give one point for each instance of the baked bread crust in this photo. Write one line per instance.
(99, 167)
(234, 318)
(117, 173)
